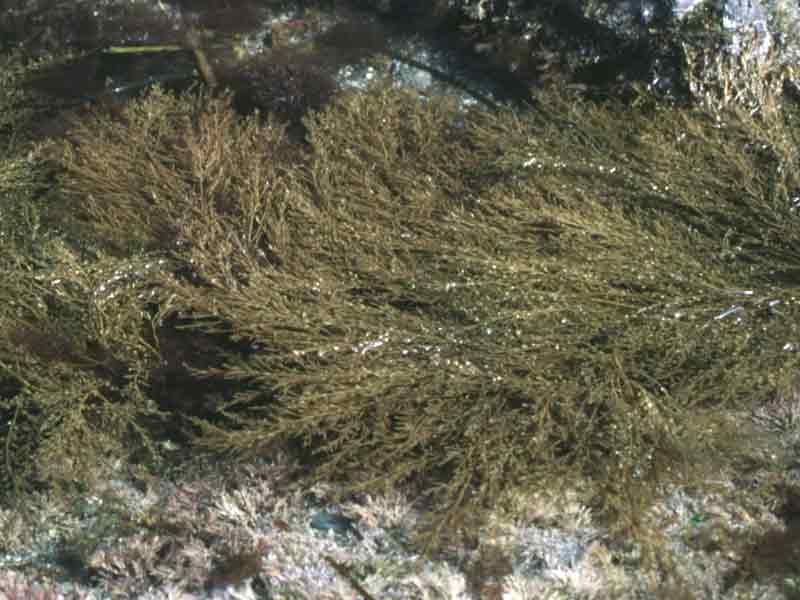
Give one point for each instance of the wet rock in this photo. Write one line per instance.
(327, 521)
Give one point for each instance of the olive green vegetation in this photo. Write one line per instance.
(72, 365)
(470, 304)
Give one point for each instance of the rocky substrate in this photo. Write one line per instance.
(246, 530)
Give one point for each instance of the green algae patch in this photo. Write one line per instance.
(72, 364)
(469, 304)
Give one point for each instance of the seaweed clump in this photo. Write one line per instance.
(482, 302)
(469, 305)
(70, 365)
